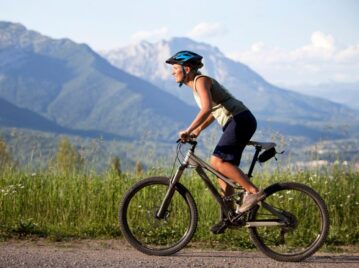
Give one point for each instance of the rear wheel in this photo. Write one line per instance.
(144, 231)
(306, 228)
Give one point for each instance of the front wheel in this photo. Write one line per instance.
(149, 234)
(303, 229)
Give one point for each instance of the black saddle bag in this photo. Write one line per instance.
(266, 155)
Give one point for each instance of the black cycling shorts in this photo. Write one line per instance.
(237, 132)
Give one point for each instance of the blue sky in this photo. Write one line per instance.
(288, 42)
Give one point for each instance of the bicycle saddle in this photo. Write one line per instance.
(263, 145)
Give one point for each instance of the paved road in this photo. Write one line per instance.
(111, 253)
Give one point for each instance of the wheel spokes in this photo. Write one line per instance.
(294, 236)
(147, 228)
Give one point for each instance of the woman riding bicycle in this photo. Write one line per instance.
(237, 122)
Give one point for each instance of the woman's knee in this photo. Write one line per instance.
(216, 161)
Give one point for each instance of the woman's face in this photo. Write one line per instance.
(177, 72)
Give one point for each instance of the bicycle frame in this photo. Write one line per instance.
(191, 159)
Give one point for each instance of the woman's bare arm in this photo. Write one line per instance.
(204, 125)
(203, 86)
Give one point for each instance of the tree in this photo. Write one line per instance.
(67, 159)
(5, 157)
(138, 168)
(116, 165)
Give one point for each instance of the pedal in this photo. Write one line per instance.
(219, 228)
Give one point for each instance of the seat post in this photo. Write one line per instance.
(254, 160)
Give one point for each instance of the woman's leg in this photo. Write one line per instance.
(227, 156)
(237, 175)
(234, 173)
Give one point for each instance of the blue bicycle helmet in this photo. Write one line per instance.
(186, 58)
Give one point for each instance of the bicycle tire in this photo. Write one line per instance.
(301, 233)
(143, 200)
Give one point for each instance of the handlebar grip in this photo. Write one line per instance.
(190, 141)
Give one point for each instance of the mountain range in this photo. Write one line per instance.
(268, 102)
(128, 94)
(343, 93)
(74, 87)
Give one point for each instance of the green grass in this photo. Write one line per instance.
(56, 206)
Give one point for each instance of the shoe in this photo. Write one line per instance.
(246, 194)
(219, 227)
(251, 200)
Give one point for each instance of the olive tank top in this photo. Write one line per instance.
(224, 105)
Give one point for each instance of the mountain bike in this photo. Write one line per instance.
(158, 215)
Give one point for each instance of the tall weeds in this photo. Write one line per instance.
(59, 205)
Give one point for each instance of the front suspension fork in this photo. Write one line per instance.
(169, 194)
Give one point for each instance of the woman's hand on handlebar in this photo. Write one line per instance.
(184, 136)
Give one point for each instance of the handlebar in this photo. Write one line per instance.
(190, 141)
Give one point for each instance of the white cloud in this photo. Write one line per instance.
(341, 77)
(350, 54)
(152, 35)
(207, 29)
(321, 40)
(317, 61)
(257, 47)
(321, 48)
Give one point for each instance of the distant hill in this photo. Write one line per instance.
(344, 93)
(71, 85)
(34, 149)
(13, 116)
(267, 101)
